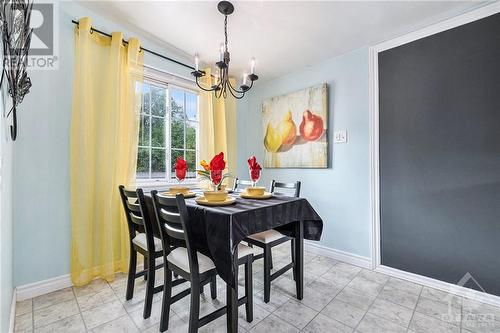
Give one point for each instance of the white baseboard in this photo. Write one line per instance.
(43, 287)
(440, 285)
(343, 256)
(12, 312)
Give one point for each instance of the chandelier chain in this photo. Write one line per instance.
(225, 31)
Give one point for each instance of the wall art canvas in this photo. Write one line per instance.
(295, 129)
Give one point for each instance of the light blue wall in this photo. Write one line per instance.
(42, 225)
(340, 194)
(6, 154)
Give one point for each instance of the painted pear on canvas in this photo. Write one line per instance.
(288, 129)
(273, 139)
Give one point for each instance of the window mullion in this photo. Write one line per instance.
(150, 135)
(168, 135)
(184, 123)
(149, 149)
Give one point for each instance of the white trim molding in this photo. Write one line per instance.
(35, 289)
(346, 257)
(12, 318)
(473, 15)
(440, 285)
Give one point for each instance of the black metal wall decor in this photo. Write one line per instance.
(222, 83)
(15, 16)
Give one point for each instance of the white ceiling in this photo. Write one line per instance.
(281, 35)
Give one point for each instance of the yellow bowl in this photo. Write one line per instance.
(215, 195)
(256, 190)
(179, 190)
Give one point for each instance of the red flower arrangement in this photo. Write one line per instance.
(214, 170)
(180, 169)
(254, 169)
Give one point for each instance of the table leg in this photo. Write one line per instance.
(299, 259)
(232, 298)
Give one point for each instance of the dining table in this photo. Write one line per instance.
(217, 231)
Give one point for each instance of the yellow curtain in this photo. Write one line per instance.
(217, 125)
(104, 134)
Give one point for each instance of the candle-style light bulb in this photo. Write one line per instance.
(245, 75)
(196, 62)
(217, 76)
(252, 66)
(221, 51)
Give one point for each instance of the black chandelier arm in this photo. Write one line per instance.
(236, 93)
(240, 91)
(219, 92)
(205, 89)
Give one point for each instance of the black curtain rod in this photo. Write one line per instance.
(92, 29)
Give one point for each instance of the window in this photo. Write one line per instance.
(168, 129)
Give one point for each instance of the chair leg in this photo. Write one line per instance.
(131, 274)
(166, 300)
(271, 266)
(213, 287)
(292, 245)
(150, 286)
(267, 274)
(194, 311)
(146, 268)
(249, 288)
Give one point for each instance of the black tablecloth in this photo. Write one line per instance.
(218, 230)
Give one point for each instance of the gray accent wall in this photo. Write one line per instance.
(440, 155)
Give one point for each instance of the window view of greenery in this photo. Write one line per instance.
(167, 130)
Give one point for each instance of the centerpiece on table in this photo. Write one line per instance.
(254, 170)
(180, 168)
(214, 172)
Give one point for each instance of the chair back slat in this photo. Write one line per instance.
(136, 219)
(167, 201)
(134, 207)
(170, 217)
(174, 232)
(293, 188)
(238, 183)
(130, 193)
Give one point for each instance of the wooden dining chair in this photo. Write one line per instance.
(271, 238)
(173, 221)
(143, 241)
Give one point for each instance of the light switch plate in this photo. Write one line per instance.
(340, 136)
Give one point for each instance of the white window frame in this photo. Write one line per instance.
(169, 81)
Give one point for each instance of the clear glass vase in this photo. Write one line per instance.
(254, 176)
(216, 178)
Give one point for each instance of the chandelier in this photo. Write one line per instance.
(222, 84)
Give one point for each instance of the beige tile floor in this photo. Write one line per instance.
(338, 298)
